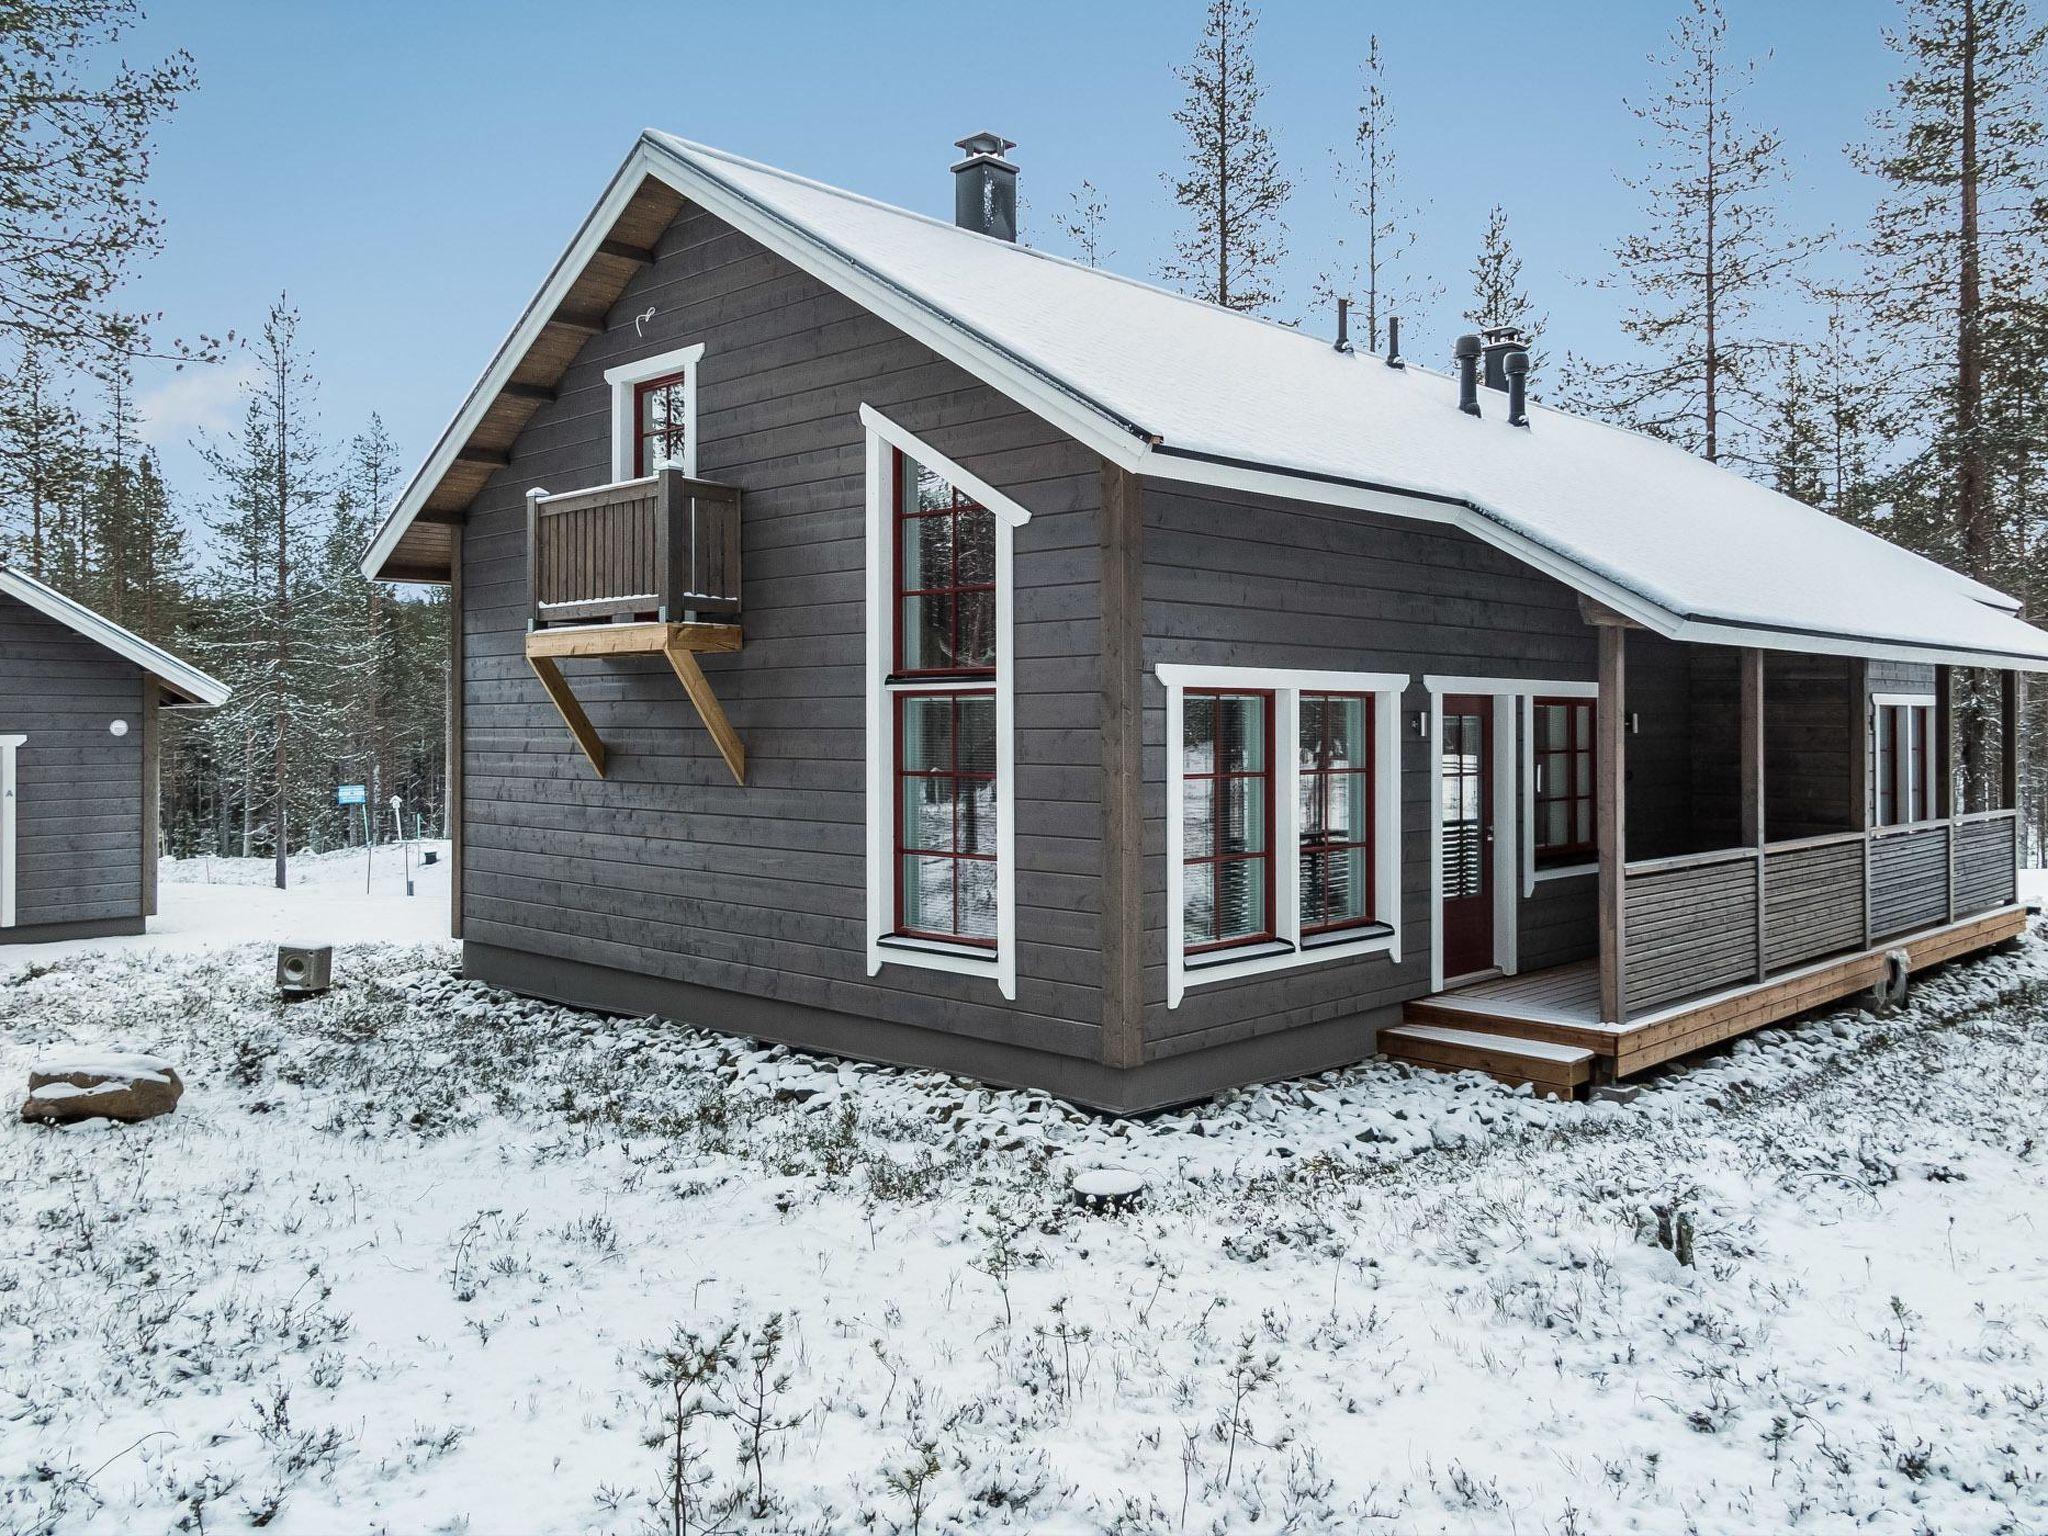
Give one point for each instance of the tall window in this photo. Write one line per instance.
(1905, 759)
(1336, 811)
(1562, 741)
(1227, 819)
(941, 822)
(946, 816)
(945, 576)
(661, 424)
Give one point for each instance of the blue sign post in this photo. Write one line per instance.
(351, 794)
(359, 794)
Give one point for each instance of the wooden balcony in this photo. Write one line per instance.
(664, 548)
(647, 567)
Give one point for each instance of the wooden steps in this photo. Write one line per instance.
(1549, 1068)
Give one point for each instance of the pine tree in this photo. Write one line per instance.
(1953, 249)
(264, 624)
(1845, 393)
(74, 167)
(1497, 294)
(1798, 456)
(1082, 223)
(1232, 188)
(1709, 249)
(1368, 261)
(42, 472)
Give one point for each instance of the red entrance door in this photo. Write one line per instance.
(1465, 769)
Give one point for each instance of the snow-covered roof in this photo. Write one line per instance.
(1174, 388)
(188, 683)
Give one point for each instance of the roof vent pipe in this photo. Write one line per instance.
(1466, 350)
(1497, 341)
(1394, 359)
(1343, 325)
(985, 186)
(1516, 366)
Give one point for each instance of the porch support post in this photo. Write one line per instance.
(1857, 722)
(1941, 803)
(1610, 783)
(2009, 741)
(1752, 752)
(1121, 572)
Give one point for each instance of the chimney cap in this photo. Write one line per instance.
(1504, 336)
(984, 146)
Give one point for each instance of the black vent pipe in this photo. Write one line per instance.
(1343, 325)
(1516, 366)
(1466, 350)
(1394, 342)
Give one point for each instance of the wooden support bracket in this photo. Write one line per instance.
(579, 724)
(679, 643)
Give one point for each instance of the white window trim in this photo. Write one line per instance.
(625, 377)
(8, 744)
(1514, 823)
(1001, 966)
(1879, 702)
(1531, 875)
(1287, 686)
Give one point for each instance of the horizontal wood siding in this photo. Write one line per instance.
(1986, 872)
(1689, 930)
(1908, 880)
(1239, 580)
(78, 802)
(668, 869)
(1813, 902)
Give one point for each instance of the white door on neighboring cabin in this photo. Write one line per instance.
(8, 799)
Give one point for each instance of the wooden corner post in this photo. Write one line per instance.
(1122, 570)
(1611, 784)
(2009, 743)
(1942, 803)
(1752, 737)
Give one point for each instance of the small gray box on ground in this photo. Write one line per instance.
(303, 969)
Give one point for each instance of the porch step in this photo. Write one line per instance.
(1547, 1067)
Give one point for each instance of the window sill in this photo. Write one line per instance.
(1258, 960)
(1564, 871)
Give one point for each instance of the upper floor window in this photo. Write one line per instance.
(1905, 756)
(1561, 739)
(654, 413)
(661, 430)
(945, 575)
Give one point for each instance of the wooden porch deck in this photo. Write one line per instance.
(1561, 1006)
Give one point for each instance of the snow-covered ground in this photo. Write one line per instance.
(419, 1256)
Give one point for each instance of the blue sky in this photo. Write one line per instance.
(407, 172)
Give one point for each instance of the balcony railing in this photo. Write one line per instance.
(664, 547)
(1701, 922)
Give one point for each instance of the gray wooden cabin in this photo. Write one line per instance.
(80, 753)
(878, 636)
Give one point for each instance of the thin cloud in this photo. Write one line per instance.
(199, 399)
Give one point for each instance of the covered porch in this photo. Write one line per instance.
(1774, 831)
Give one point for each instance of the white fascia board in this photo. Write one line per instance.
(204, 691)
(1004, 507)
(1180, 674)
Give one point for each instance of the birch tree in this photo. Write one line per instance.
(1232, 190)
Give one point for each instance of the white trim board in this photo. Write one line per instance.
(625, 430)
(195, 687)
(1001, 967)
(8, 796)
(1287, 686)
(691, 170)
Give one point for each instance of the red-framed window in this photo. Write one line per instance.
(1565, 796)
(1905, 760)
(1226, 818)
(661, 424)
(946, 816)
(945, 577)
(1336, 825)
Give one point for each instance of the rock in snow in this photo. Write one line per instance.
(101, 1085)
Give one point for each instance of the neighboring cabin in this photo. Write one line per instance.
(874, 635)
(79, 759)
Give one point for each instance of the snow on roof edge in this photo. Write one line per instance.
(199, 688)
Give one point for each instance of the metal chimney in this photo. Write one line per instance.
(1498, 341)
(1343, 325)
(1466, 350)
(1394, 359)
(985, 186)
